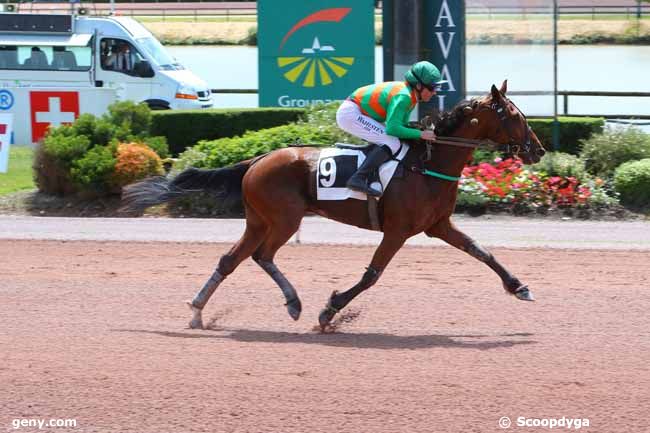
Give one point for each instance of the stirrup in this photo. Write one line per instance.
(366, 189)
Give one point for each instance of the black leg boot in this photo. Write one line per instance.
(359, 180)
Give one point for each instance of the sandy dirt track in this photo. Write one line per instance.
(96, 331)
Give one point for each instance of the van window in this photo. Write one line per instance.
(159, 54)
(120, 56)
(45, 58)
(8, 57)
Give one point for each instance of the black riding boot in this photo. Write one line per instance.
(359, 180)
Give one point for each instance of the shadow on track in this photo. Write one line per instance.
(353, 340)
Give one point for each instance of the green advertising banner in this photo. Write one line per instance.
(435, 33)
(314, 50)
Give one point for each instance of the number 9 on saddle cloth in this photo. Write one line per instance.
(337, 164)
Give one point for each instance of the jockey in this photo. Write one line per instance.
(379, 114)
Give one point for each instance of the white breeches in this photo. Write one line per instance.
(350, 119)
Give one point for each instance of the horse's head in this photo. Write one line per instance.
(501, 121)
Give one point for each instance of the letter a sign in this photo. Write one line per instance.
(445, 40)
(314, 51)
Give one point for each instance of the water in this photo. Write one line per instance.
(527, 67)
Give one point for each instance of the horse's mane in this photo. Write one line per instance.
(448, 121)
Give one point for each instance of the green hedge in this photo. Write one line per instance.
(572, 131)
(230, 150)
(185, 128)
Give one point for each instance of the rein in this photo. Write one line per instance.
(468, 142)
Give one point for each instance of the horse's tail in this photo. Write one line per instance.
(156, 190)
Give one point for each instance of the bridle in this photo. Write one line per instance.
(512, 147)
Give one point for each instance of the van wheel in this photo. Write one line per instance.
(157, 104)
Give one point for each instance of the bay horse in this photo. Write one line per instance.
(277, 190)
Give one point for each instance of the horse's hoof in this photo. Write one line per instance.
(327, 314)
(524, 294)
(197, 320)
(196, 324)
(294, 308)
(325, 317)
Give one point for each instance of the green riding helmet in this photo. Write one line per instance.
(424, 73)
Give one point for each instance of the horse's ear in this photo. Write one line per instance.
(496, 96)
(504, 87)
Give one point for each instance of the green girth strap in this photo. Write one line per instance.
(432, 173)
(440, 175)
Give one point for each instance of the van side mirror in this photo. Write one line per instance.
(143, 69)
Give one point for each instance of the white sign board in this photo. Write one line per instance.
(6, 123)
(38, 108)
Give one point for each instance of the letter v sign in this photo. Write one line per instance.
(441, 41)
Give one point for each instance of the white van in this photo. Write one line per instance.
(54, 67)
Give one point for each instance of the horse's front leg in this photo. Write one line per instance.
(389, 245)
(448, 232)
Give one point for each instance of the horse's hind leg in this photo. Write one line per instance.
(247, 244)
(279, 233)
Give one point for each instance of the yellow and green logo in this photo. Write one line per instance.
(313, 51)
(318, 65)
(313, 69)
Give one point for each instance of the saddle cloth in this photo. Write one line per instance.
(337, 164)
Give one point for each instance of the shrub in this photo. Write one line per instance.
(64, 146)
(226, 151)
(572, 131)
(602, 193)
(604, 152)
(81, 157)
(481, 155)
(132, 117)
(85, 124)
(99, 131)
(135, 161)
(192, 157)
(185, 128)
(632, 181)
(158, 144)
(324, 116)
(472, 203)
(563, 165)
(54, 157)
(92, 172)
(50, 175)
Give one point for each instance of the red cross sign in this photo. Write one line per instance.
(52, 109)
